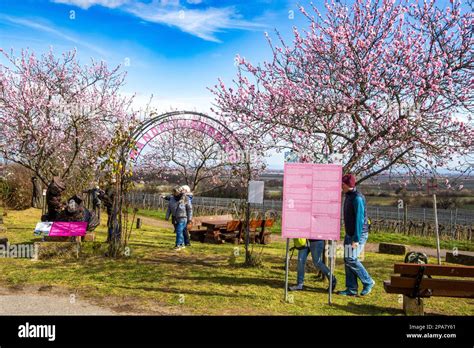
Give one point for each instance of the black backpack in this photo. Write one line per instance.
(416, 257)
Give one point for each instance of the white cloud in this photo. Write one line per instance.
(85, 4)
(204, 23)
(33, 24)
(165, 104)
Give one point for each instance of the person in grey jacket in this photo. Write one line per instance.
(187, 191)
(181, 211)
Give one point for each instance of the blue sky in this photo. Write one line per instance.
(172, 49)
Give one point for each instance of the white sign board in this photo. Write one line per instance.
(256, 192)
(43, 228)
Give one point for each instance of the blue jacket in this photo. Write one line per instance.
(355, 214)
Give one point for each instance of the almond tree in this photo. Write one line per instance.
(387, 84)
(57, 115)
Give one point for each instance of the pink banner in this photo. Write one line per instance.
(68, 229)
(312, 201)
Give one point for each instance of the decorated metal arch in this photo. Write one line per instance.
(233, 148)
(219, 132)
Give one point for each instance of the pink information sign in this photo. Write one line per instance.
(68, 229)
(312, 201)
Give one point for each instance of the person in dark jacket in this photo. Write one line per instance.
(357, 233)
(53, 198)
(75, 211)
(96, 202)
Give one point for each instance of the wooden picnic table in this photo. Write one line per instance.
(213, 225)
(217, 231)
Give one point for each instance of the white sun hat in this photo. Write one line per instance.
(186, 189)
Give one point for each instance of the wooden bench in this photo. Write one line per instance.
(258, 231)
(231, 232)
(415, 282)
(264, 236)
(197, 232)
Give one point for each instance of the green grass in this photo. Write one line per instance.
(204, 276)
(157, 214)
(381, 201)
(421, 241)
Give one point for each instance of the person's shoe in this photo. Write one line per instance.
(334, 283)
(367, 289)
(347, 292)
(188, 245)
(177, 248)
(296, 287)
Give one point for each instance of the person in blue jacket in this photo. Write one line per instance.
(357, 233)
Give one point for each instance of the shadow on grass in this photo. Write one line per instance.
(367, 309)
(239, 281)
(146, 245)
(185, 291)
(215, 262)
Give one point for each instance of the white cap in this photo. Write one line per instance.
(186, 189)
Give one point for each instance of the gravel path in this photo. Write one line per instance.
(21, 303)
(156, 222)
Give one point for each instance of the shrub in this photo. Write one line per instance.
(16, 187)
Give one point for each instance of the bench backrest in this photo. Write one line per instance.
(410, 282)
(253, 224)
(434, 270)
(234, 225)
(269, 222)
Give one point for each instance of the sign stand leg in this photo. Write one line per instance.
(287, 267)
(331, 269)
(436, 229)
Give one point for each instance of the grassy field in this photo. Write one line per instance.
(374, 237)
(445, 242)
(392, 201)
(202, 279)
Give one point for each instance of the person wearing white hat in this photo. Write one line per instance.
(180, 210)
(187, 192)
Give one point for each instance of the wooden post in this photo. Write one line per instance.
(247, 234)
(78, 246)
(44, 209)
(455, 220)
(405, 218)
(413, 306)
(451, 222)
(435, 206)
(139, 223)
